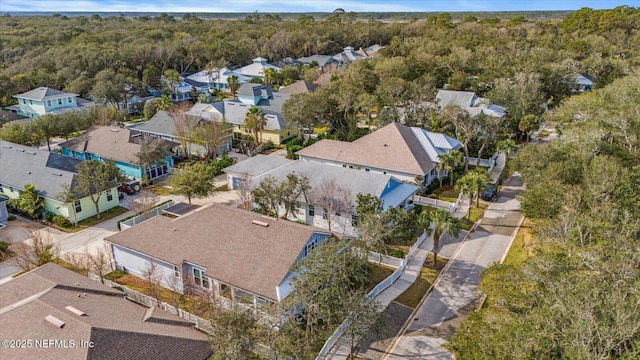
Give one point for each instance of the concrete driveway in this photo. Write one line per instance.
(455, 291)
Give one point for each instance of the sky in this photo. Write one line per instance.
(266, 6)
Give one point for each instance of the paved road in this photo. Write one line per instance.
(456, 289)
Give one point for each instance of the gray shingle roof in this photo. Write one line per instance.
(235, 111)
(251, 89)
(44, 93)
(300, 86)
(160, 123)
(119, 328)
(257, 165)
(224, 241)
(21, 165)
(470, 102)
(394, 147)
(322, 60)
(110, 142)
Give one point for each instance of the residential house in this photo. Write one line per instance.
(581, 82)
(403, 152)
(347, 56)
(298, 87)
(370, 51)
(163, 126)
(234, 255)
(322, 61)
(120, 145)
(44, 100)
(134, 100)
(49, 172)
(256, 68)
(234, 111)
(469, 101)
(391, 191)
(55, 313)
(206, 80)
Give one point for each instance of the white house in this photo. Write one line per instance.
(391, 191)
(206, 80)
(235, 256)
(256, 68)
(470, 102)
(397, 150)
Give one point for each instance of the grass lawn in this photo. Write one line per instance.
(428, 274)
(377, 274)
(450, 195)
(104, 216)
(321, 130)
(70, 266)
(185, 302)
(159, 190)
(543, 134)
(521, 248)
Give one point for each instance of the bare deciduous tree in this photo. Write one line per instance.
(144, 203)
(332, 198)
(152, 274)
(36, 252)
(184, 124)
(99, 259)
(244, 188)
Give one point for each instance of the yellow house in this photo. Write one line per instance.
(49, 172)
(268, 101)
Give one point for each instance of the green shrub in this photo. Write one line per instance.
(61, 221)
(49, 217)
(397, 253)
(114, 275)
(291, 151)
(4, 249)
(12, 217)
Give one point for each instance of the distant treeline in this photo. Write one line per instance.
(317, 15)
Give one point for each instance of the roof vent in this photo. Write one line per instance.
(385, 145)
(55, 321)
(56, 174)
(75, 311)
(114, 130)
(7, 146)
(20, 150)
(260, 223)
(31, 152)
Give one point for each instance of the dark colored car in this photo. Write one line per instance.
(130, 187)
(490, 194)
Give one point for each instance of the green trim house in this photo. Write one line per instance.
(22, 165)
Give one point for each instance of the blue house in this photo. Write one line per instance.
(120, 145)
(233, 255)
(44, 100)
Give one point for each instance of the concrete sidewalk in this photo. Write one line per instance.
(414, 266)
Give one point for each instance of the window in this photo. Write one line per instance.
(69, 100)
(344, 165)
(312, 210)
(10, 189)
(59, 101)
(225, 291)
(48, 102)
(205, 282)
(338, 214)
(109, 195)
(78, 206)
(1, 189)
(354, 219)
(30, 102)
(367, 169)
(197, 276)
(176, 271)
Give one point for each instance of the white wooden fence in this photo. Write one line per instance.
(488, 163)
(383, 285)
(142, 217)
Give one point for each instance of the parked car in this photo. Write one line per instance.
(120, 195)
(491, 193)
(130, 187)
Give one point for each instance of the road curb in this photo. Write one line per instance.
(405, 326)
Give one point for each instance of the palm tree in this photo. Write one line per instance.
(507, 146)
(466, 187)
(233, 83)
(481, 181)
(151, 150)
(448, 163)
(255, 122)
(443, 222)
